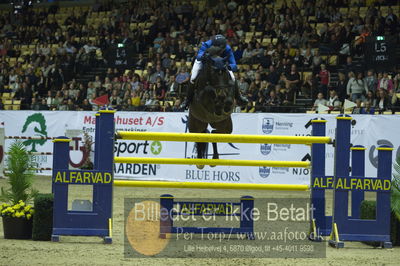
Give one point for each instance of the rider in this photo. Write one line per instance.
(220, 41)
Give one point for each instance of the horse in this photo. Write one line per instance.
(212, 103)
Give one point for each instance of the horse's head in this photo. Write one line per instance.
(214, 51)
(214, 60)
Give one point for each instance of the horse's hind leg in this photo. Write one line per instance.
(224, 127)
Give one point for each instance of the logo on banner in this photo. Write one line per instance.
(268, 125)
(38, 123)
(135, 147)
(266, 149)
(264, 171)
(142, 169)
(373, 156)
(155, 147)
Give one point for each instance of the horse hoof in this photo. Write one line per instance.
(200, 167)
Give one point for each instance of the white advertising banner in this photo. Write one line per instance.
(367, 130)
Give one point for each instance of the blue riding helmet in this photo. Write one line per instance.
(220, 41)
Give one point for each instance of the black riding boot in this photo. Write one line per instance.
(240, 100)
(189, 96)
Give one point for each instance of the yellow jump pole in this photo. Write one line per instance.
(203, 185)
(220, 138)
(299, 164)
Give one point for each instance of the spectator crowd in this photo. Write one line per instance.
(287, 51)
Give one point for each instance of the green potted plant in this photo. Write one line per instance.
(15, 212)
(395, 197)
(368, 207)
(395, 201)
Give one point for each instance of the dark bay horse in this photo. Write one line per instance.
(213, 100)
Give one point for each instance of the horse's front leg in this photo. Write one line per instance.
(201, 152)
(224, 127)
(197, 126)
(215, 149)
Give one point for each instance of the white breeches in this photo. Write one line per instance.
(195, 70)
(232, 75)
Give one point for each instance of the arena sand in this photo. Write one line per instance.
(91, 250)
